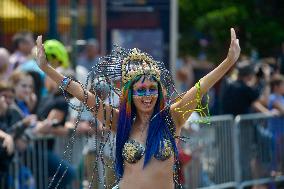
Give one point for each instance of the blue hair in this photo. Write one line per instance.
(158, 127)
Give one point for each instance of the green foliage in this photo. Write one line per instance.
(259, 25)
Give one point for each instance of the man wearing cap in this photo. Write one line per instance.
(240, 96)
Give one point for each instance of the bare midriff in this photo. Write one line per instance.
(156, 175)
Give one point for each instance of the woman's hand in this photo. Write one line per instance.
(234, 50)
(40, 56)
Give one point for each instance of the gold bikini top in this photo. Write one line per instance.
(133, 151)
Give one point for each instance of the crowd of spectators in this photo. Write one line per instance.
(32, 106)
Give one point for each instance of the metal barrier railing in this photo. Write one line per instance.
(29, 168)
(231, 152)
(261, 148)
(237, 152)
(212, 161)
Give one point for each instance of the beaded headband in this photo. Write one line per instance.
(138, 63)
(123, 65)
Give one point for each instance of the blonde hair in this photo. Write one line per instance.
(17, 76)
(5, 86)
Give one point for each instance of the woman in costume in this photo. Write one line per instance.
(147, 120)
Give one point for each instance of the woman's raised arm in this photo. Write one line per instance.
(188, 101)
(76, 89)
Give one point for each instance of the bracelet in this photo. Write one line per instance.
(64, 83)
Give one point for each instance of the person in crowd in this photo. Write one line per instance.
(23, 43)
(88, 59)
(38, 88)
(13, 126)
(145, 141)
(38, 76)
(244, 90)
(56, 53)
(276, 124)
(263, 75)
(90, 56)
(15, 121)
(25, 97)
(6, 144)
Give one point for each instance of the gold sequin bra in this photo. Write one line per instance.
(133, 151)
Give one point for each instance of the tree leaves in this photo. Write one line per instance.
(258, 25)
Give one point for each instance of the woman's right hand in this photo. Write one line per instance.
(41, 57)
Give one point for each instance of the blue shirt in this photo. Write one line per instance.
(23, 107)
(276, 125)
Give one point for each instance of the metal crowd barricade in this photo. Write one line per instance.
(29, 167)
(212, 163)
(231, 152)
(261, 150)
(237, 153)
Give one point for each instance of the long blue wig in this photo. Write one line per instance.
(158, 130)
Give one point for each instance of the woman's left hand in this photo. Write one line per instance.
(234, 50)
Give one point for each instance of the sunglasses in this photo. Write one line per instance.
(152, 91)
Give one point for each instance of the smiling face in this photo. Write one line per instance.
(145, 94)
